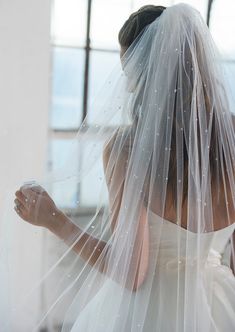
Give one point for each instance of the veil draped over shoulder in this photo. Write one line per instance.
(157, 253)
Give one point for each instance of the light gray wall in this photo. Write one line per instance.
(24, 102)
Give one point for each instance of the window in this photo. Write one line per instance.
(222, 26)
(84, 51)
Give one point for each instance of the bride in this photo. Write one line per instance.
(167, 262)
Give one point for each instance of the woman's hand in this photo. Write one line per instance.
(34, 205)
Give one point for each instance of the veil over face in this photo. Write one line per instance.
(155, 247)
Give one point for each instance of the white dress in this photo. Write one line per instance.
(217, 283)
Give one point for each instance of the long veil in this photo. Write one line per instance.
(148, 258)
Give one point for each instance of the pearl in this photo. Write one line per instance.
(53, 213)
(34, 201)
(26, 199)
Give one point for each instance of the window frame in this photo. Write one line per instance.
(69, 133)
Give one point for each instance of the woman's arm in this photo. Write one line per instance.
(115, 173)
(88, 247)
(46, 214)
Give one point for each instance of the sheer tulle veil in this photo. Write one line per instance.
(164, 134)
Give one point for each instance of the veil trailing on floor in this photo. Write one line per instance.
(149, 254)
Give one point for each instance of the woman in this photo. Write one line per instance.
(169, 171)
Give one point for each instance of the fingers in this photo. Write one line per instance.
(20, 209)
(27, 202)
(38, 189)
(28, 193)
(17, 203)
(20, 196)
(35, 188)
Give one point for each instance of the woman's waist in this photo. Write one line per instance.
(173, 258)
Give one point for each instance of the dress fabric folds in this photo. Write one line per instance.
(166, 311)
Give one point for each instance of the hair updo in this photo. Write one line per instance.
(137, 22)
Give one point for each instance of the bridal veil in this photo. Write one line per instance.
(164, 134)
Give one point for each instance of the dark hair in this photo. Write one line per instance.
(127, 34)
(137, 22)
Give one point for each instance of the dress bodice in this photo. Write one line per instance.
(171, 293)
(173, 243)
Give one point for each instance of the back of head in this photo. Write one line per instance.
(179, 101)
(137, 22)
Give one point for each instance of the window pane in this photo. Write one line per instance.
(101, 65)
(70, 194)
(69, 19)
(65, 194)
(199, 5)
(67, 87)
(136, 4)
(91, 185)
(107, 18)
(222, 26)
(229, 68)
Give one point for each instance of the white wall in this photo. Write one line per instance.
(24, 102)
(24, 85)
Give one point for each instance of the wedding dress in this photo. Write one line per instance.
(166, 310)
(163, 131)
